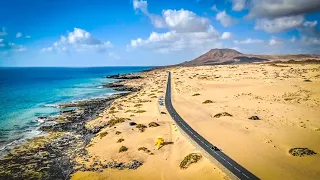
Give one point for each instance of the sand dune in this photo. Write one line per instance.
(158, 164)
(285, 98)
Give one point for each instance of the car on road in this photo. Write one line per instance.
(215, 148)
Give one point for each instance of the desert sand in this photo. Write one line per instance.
(158, 164)
(286, 98)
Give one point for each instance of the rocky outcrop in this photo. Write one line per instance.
(54, 158)
(124, 76)
(119, 86)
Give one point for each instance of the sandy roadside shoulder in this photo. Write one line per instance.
(217, 101)
(142, 108)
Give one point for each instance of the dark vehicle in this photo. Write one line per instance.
(215, 148)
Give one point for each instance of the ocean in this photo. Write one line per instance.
(27, 93)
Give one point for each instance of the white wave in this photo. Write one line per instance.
(51, 105)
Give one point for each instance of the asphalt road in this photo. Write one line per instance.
(222, 158)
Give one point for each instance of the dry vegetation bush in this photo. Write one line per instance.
(153, 124)
(141, 127)
(207, 102)
(117, 120)
(222, 114)
(301, 152)
(138, 105)
(140, 111)
(123, 149)
(189, 159)
(120, 140)
(103, 134)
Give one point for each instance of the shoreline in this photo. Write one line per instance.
(65, 132)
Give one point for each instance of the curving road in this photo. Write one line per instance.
(212, 150)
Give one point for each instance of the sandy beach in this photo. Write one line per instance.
(157, 164)
(285, 97)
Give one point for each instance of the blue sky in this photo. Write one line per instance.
(143, 33)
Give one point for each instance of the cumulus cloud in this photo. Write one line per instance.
(18, 35)
(249, 41)
(281, 8)
(79, 40)
(185, 21)
(273, 41)
(226, 35)
(293, 39)
(279, 24)
(225, 19)
(186, 30)
(238, 5)
(156, 20)
(28, 37)
(174, 41)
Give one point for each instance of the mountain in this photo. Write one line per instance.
(231, 56)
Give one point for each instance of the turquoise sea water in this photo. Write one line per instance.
(26, 93)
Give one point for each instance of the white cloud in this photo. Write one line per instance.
(1, 40)
(249, 41)
(28, 37)
(174, 41)
(186, 30)
(281, 8)
(238, 5)
(185, 21)
(214, 8)
(142, 5)
(226, 35)
(3, 32)
(293, 39)
(225, 19)
(310, 23)
(18, 35)
(79, 40)
(273, 41)
(279, 24)
(310, 41)
(156, 20)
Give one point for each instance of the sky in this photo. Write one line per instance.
(68, 33)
